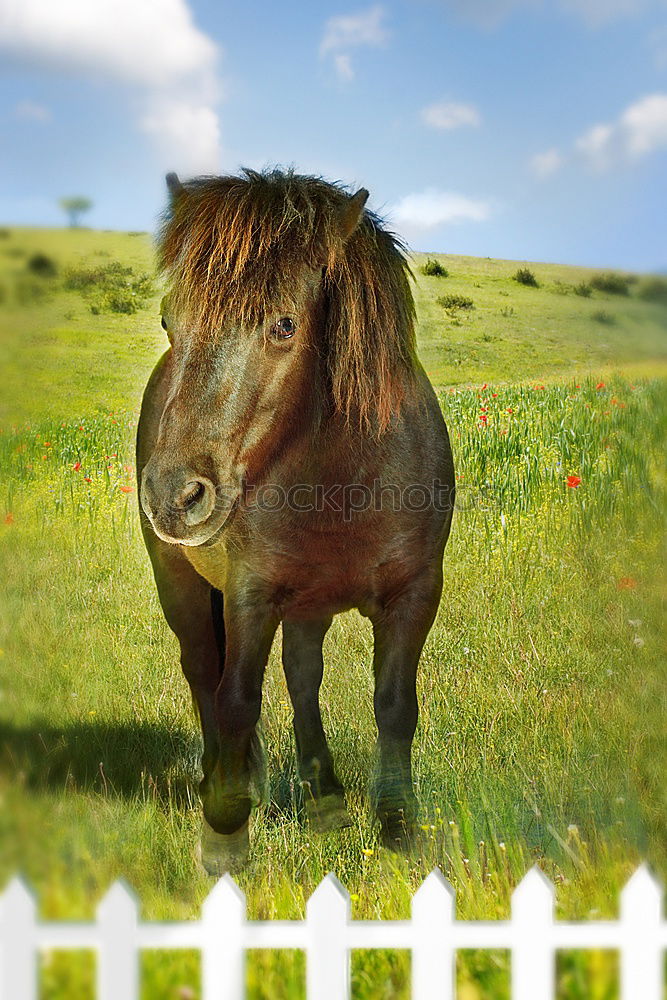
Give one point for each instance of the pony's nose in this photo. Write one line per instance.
(196, 501)
(176, 499)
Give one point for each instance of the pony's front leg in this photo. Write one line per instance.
(400, 630)
(304, 666)
(227, 792)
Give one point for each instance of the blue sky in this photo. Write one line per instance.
(532, 129)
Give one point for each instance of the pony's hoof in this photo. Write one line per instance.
(327, 813)
(223, 852)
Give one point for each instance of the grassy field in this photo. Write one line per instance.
(542, 683)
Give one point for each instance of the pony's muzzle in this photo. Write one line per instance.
(179, 504)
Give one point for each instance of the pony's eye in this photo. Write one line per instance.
(163, 324)
(284, 328)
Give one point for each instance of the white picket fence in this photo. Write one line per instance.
(433, 935)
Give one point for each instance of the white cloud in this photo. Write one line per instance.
(595, 145)
(640, 130)
(154, 49)
(449, 115)
(349, 31)
(31, 111)
(644, 125)
(432, 208)
(546, 163)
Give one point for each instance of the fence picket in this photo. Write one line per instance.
(533, 971)
(642, 953)
(18, 956)
(432, 950)
(223, 958)
(223, 935)
(328, 958)
(117, 963)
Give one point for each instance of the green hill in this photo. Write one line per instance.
(60, 357)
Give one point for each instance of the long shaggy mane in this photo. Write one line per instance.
(232, 248)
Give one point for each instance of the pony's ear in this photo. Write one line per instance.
(174, 187)
(352, 211)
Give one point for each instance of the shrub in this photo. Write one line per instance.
(584, 289)
(453, 302)
(611, 283)
(654, 290)
(111, 287)
(526, 277)
(120, 301)
(434, 269)
(111, 275)
(602, 316)
(42, 265)
(5, 233)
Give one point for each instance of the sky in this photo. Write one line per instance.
(523, 129)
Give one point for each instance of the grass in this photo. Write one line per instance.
(541, 683)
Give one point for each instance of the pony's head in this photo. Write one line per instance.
(288, 305)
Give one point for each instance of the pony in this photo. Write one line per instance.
(293, 463)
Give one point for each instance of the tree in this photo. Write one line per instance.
(74, 206)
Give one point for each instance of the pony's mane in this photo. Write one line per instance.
(232, 248)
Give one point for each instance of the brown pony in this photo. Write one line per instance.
(294, 463)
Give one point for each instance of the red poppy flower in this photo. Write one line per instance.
(76, 467)
(483, 417)
(126, 489)
(485, 386)
(600, 385)
(626, 583)
(510, 410)
(87, 479)
(47, 444)
(9, 518)
(573, 481)
(495, 395)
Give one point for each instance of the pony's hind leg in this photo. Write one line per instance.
(304, 666)
(400, 631)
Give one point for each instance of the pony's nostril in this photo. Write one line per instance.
(197, 501)
(192, 496)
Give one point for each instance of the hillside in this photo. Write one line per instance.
(58, 356)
